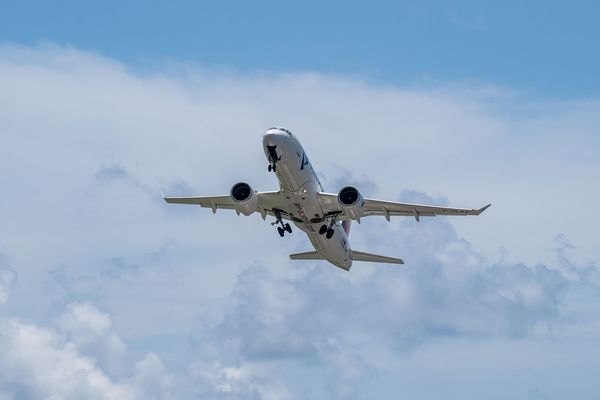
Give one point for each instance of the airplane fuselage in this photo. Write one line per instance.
(299, 184)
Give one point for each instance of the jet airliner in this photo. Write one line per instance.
(324, 217)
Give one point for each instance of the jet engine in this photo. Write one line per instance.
(352, 202)
(244, 198)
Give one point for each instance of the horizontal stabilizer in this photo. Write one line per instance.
(309, 255)
(362, 256)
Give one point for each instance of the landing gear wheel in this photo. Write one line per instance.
(323, 229)
(288, 228)
(330, 233)
(270, 168)
(274, 168)
(281, 231)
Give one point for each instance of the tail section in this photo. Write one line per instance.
(362, 256)
(309, 255)
(356, 256)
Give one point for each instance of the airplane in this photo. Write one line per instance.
(324, 217)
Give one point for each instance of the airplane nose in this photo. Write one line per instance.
(273, 138)
(268, 139)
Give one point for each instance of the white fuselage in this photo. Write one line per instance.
(300, 185)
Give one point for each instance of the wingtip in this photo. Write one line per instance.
(482, 209)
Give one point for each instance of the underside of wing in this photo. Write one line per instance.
(387, 209)
(268, 203)
(214, 202)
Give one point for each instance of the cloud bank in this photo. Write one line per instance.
(120, 296)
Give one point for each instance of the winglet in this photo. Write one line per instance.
(482, 209)
(163, 196)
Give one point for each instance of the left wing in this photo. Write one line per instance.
(387, 209)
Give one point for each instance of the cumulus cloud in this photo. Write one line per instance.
(446, 290)
(73, 362)
(210, 305)
(38, 363)
(91, 330)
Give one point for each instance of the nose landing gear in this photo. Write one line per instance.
(273, 158)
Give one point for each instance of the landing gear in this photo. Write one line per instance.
(284, 227)
(273, 157)
(328, 230)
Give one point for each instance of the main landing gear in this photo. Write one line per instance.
(272, 167)
(284, 227)
(328, 230)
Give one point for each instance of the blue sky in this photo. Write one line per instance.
(545, 48)
(120, 296)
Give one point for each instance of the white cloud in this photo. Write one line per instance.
(87, 144)
(91, 331)
(246, 381)
(38, 363)
(75, 361)
(151, 379)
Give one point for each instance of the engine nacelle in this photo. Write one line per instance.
(352, 202)
(244, 198)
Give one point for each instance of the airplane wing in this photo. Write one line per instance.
(268, 203)
(388, 209)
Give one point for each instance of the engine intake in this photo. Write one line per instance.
(352, 202)
(244, 198)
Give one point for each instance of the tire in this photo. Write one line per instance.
(270, 168)
(323, 229)
(330, 233)
(274, 168)
(288, 228)
(281, 231)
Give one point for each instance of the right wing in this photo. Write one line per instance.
(268, 203)
(214, 202)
